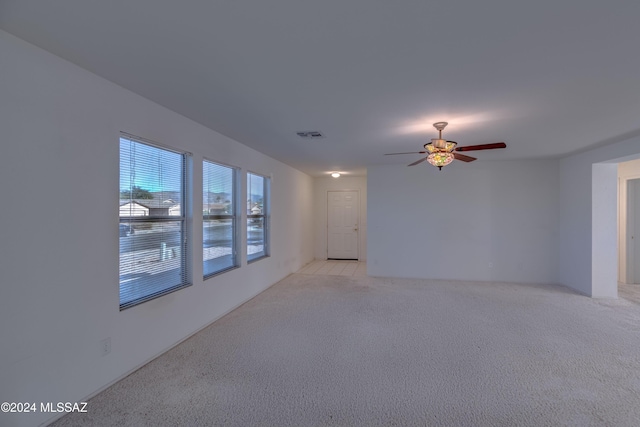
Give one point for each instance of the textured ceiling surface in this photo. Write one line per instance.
(547, 77)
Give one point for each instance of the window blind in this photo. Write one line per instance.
(152, 225)
(219, 219)
(257, 216)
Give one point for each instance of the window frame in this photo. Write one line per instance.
(266, 215)
(183, 218)
(234, 217)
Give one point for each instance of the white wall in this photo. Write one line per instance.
(321, 186)
(484, 221)
(59, 268)
(588, 218)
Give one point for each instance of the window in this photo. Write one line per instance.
(257, 217)
(219, 224)
(153, 259)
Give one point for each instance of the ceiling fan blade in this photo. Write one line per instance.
(411, 152)
(419, 161)
(482, 147)
(464, 158)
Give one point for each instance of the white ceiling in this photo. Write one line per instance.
(546, 77)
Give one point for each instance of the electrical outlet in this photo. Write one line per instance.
(105, 346)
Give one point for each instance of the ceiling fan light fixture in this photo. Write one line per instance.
(440, 159)
(442, 152)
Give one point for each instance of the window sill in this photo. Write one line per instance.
(218, 273)
(252, 260)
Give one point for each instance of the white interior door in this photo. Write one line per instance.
(633, 231)
(342, 223)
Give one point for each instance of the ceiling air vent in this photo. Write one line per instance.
(310, 134)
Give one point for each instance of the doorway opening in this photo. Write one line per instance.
(629, 222)
(632, 234)
(609, 211)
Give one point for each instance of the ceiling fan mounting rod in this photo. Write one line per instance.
(440, 126)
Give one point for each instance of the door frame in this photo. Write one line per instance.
(359, 219)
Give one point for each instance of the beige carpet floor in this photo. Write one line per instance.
(318, 350)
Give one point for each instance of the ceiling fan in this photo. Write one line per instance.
(442, 152)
